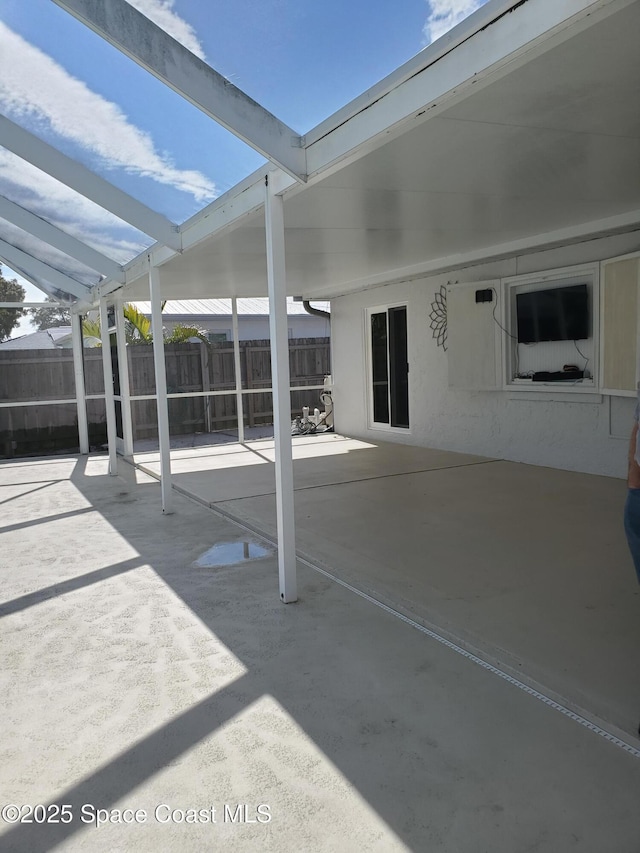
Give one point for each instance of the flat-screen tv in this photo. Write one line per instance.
(555, 314)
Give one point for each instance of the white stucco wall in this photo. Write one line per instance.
(547, 429)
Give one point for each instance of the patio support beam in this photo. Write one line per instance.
(109, 401)
(123, 370)
(161, 389)
(188, 75)
(78, 370)
(19, 260)
(278, 326)
(91, 186)
(238, 368)
(57, 238)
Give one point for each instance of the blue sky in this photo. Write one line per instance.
(300, 59)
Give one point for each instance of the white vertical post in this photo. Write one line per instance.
(238, 369)
(274, 221)
(109, 402)
(78, 370)
(161, 390)
(123, 370)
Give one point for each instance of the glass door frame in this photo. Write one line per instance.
(372, 423)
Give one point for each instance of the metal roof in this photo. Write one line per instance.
(258, 307)
(44, 339)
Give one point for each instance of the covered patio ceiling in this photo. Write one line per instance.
(516, 131)
(541, 153)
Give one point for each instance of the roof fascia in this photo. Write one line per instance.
(624, 223)
(48, 233)
(478, 20)
(87, 183)
(157, 52)
(487, 53)
(14, 256)
(224, 214)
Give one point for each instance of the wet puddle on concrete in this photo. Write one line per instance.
(231, 554)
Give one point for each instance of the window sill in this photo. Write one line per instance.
(574, 392)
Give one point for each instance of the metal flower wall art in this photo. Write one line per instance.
(438, 317)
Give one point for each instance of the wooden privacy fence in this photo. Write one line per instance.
(35, 376)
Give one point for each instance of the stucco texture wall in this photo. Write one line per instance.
(591, 436)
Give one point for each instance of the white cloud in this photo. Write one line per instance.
(43, 195)
(33, 85)
(445, 14)
(161, 13)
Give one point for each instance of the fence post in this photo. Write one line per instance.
(204, 369)
(78, 370)
(238, 369)
(249, 373)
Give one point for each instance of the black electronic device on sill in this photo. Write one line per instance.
(558, 375)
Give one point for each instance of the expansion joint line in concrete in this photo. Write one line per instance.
(212, 504)
(429, 632)
(557, 706)
(394, 474)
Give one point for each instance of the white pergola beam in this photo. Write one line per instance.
(13, 256)
(165, 58)
(87, 183)
(54, 236)
(226, 213)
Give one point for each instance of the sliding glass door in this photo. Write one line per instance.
(389, 367)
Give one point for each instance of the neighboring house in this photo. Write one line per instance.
(211, 315)
(56, 338)
(215, 318)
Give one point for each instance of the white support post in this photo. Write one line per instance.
(161, 390)
(276, 278)
(108, 388)
(78, 370)
(125, 393)
(238, 369)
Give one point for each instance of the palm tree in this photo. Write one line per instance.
(138, 329)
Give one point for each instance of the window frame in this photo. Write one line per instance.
(558, 277)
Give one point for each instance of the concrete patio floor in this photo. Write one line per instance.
(134, 678)
(527, 566)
